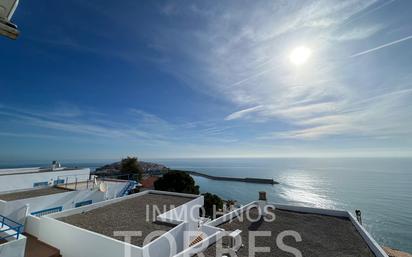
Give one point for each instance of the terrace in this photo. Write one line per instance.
(127, 215)
(322, 235)
(24, 194)
(20, 171)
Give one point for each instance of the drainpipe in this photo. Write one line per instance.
(262, 203)
(359, 216)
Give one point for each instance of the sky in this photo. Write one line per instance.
(185, 79)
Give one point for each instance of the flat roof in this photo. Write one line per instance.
(322, 236)
(127, 215)
(20, 171)
(32, 193)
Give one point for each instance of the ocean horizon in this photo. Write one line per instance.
(379, 187)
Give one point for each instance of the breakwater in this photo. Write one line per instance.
(246, 180)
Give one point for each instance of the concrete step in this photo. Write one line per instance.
(197, 240)
(37, 248)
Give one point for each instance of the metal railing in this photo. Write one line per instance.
(122, 176)
(47, 211)
(12, 226)
(129, 186)
(80, 204)
(74, 180)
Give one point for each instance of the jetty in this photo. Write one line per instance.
(246, 180)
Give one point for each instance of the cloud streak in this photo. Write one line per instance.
(243, 113)
(245, 62)
(382, 46)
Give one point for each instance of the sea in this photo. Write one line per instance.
(379, 187)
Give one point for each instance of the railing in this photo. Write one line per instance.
(47, 211)
(130, 184)
(68, 181)
(80, 204)
(122, 176)
(12, 226)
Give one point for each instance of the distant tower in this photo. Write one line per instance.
(56, 165)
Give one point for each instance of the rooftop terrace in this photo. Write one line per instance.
(32, 193)
(19, 171)
(322, 236)
(127, 215)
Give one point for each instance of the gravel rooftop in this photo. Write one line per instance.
(32, 193)
(322, 236)
(127, 215)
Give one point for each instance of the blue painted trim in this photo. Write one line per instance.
(40, 184)
(80, 204)
(47, 211)
(17, 227)
(127, 188)
(59, 181)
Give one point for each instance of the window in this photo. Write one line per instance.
(79, 204)
(47, 211)
(59, 181)
(41, 184)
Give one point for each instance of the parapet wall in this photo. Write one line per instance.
(26, 180)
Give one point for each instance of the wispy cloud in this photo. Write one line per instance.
(243, 113)
(359, 33)
(73, 124)
(382, 46)
(238, 54)
(378, 116)
(145, 119)
(368, 12)
(26, 135)
(141, 126)
(246, 63)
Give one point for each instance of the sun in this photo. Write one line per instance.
(300, 55)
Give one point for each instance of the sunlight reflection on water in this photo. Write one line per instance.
(379, 187)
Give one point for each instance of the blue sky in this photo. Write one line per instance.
(161, 79)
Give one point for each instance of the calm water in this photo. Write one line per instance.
(380, 188)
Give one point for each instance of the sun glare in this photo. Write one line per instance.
(300, 55)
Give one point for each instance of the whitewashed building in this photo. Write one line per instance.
(99, 230)
(24, 178)
(77, 215)
(39, 192)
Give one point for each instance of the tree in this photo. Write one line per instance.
(130, 165)
(212, 200)
(177, 181)
(230, 204)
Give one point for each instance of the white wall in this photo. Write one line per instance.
(168, 244)
(25, 181)
(13, 209)
(13, 248)
(19, 170)
(202, 245)
(231, 215)
(74, 242)
(186, 212)
(93, 206)
(375, 247)
(113, 188)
